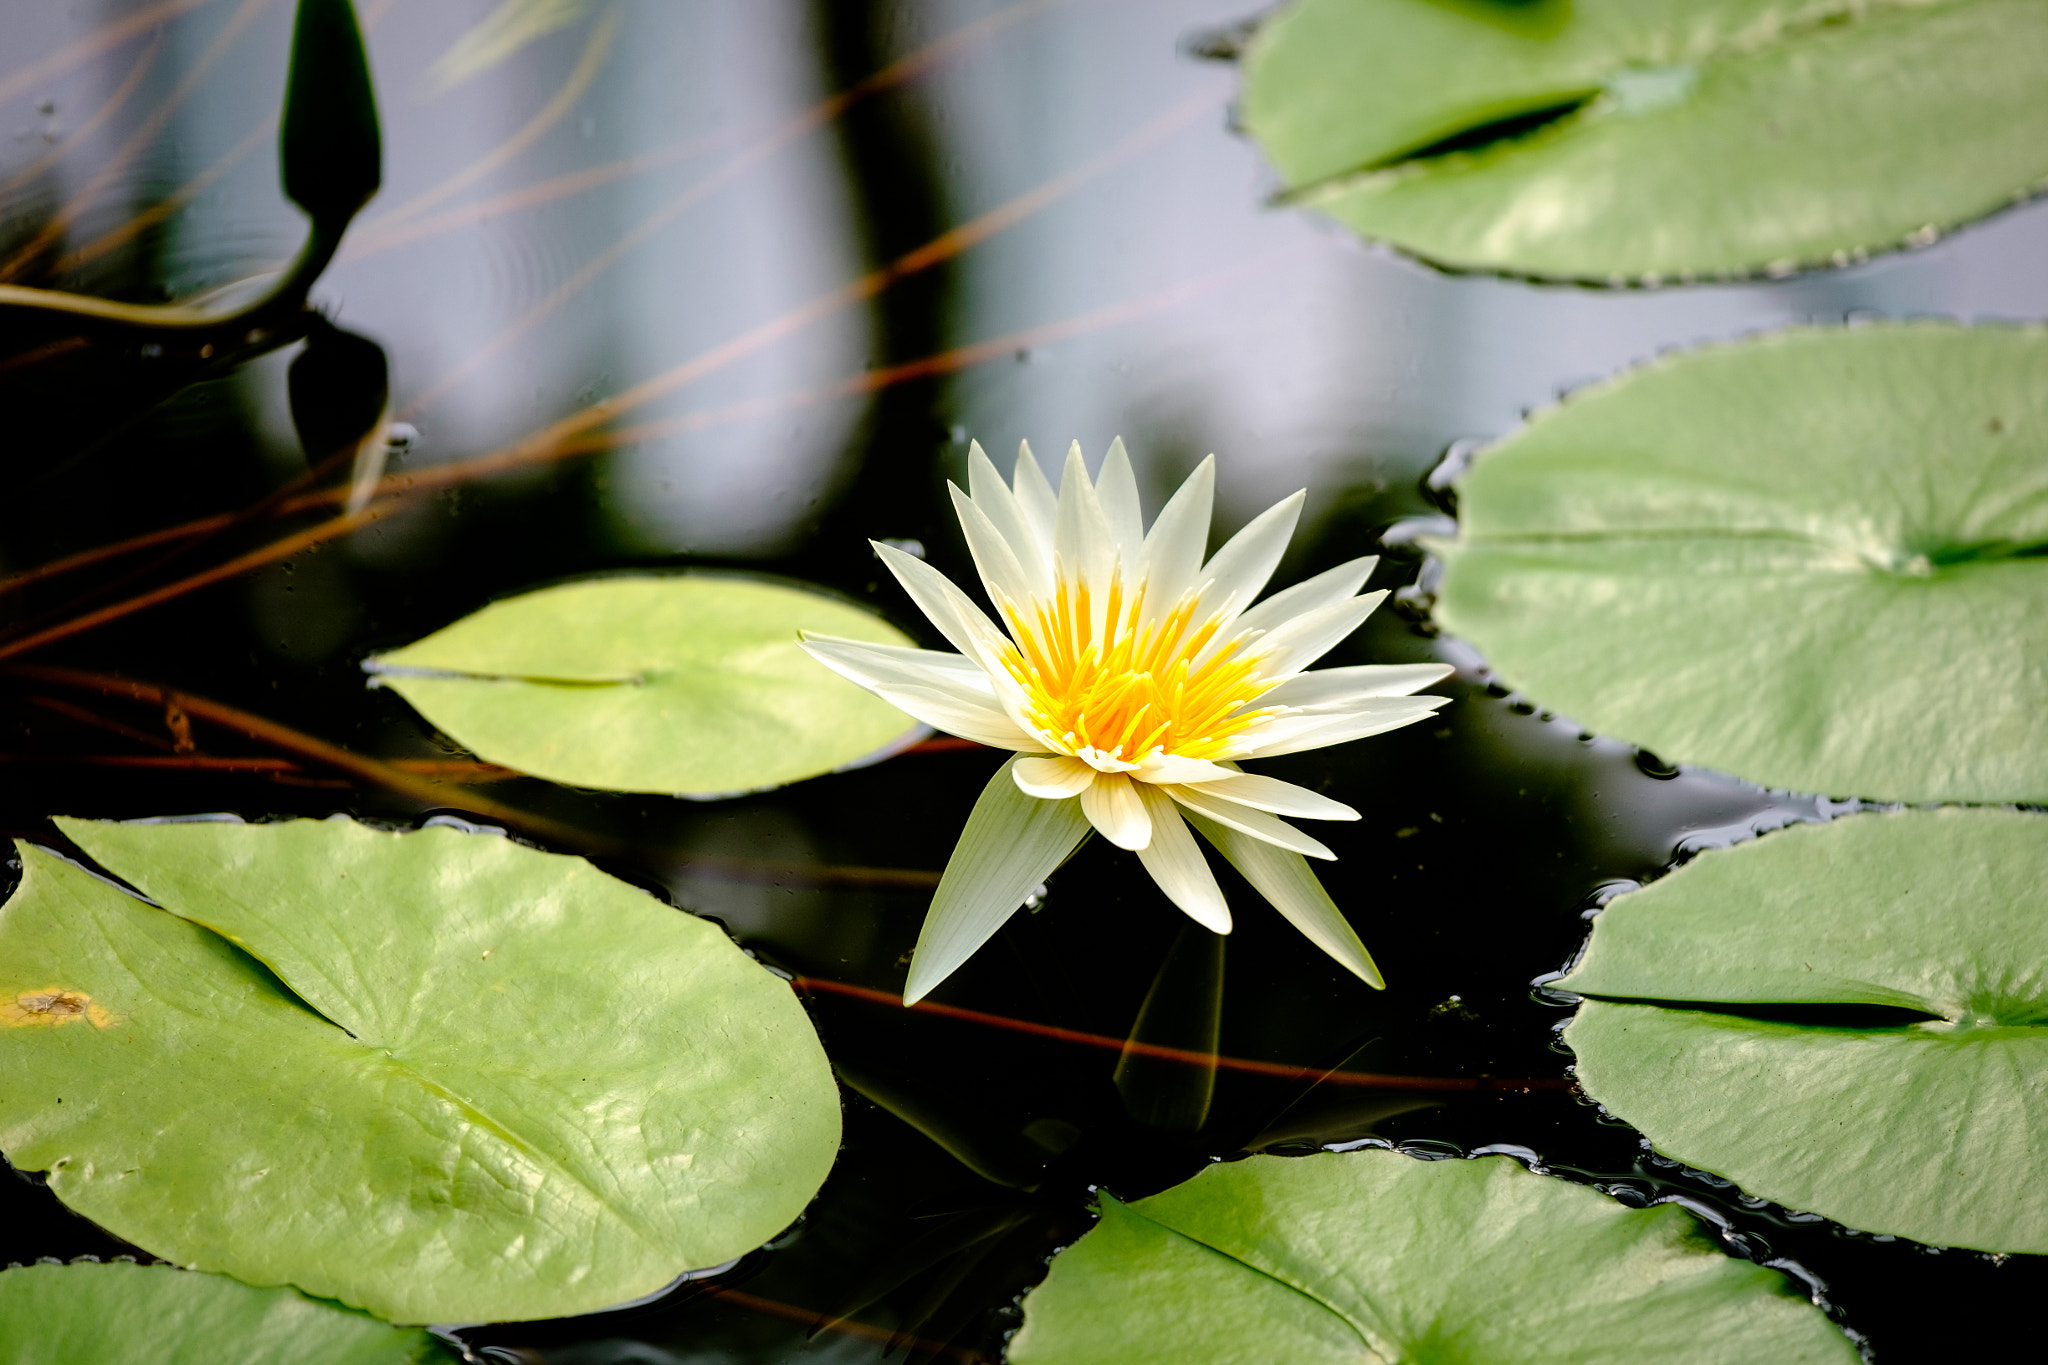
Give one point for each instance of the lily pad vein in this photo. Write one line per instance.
(1364, 1338)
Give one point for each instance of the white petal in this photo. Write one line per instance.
(1176, 863)
(1081, 538)
(1178, 540)
(940, 694)
(1116, 486)
(1336, 585)
(1280, 798)
(982, 723)
(1052, 778)
(963, 624)
(1292, 889)
(1174, 768)
(1000, 506)
(1001, 573)
(1012, 843)
(1256, 823)
(1319, 729)
(867, 663)
(1313, 634)
(1334, 687)
(1111, 804)
(1240, 569)
(1035, 497)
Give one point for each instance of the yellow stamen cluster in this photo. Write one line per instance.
(1135, 689)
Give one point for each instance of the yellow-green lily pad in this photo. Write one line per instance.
(688, 684)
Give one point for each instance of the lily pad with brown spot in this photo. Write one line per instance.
(438, 1076)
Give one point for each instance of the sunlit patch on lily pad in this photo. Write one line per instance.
(1816, 560)
(1375, 1256)
(438, 1076)
(1864, 1021)
(125, 1314)
(687, 684)
(1625, 140)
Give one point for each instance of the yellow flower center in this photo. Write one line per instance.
(1135, 689)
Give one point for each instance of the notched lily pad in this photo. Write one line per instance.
(686, 683)
(1374, 1256)
(1865, 1031)
(1815, 560)
(1613, 140)
(122, 1314)
(438, 1076)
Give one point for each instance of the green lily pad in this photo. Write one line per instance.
(1931, 1129)
(1374, 1256)
(437, 1076)
(1815, 560)
(688, 683)
(1612, 140)
(121, 1314)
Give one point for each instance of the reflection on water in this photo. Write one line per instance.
(800, 253)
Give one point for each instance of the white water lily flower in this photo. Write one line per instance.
(1129, 676)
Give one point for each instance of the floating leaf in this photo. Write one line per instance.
(1930, 1129)
(329, 148)
(1374, 1256)
(1815, 561)
(689, 683)
(121, 1314)
(1623, 139)
(438, 1076)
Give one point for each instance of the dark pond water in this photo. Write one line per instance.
(659, 189)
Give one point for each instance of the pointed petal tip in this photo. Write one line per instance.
(1218, 924)
(926, 975)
